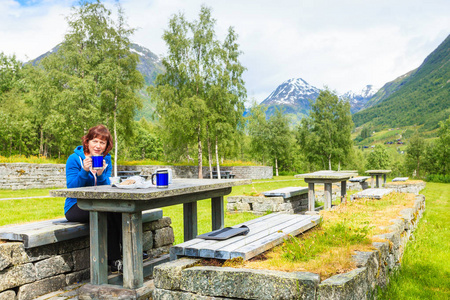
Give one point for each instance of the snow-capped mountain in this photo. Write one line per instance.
(294, 96)
(359, 99)
(293, 92)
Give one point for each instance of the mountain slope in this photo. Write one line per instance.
(422, 98)
(149, 65)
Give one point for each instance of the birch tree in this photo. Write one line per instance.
(326, 133)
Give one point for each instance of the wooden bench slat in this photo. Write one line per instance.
(258, 247)
(56, 230)
(222, 248)
(179, 250)
(225, 252)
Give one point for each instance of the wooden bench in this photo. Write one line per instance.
(265, 233)
(287, 192)
(400, 179)
(359, 179)
(223, 175)
(52, 231)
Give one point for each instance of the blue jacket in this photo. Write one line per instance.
(76, 176)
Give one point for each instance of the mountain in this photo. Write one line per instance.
(388, 89)
(421, 97)
(295, 96)
(149, 65)
(360, 99)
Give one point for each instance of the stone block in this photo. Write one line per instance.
(53, 266)
(17, 276)
(77, 277)
(163, 236)
(41, 287)
(154, 225)
(12, 253)
(42, 252)
(351, 285)
(157, 252)
(81, 259)
(168, 276)
(147, 240)
(7, 295)
(177, 295)
(370, 260)
(383, 250)
(249, 283)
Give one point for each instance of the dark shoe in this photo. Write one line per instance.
(145, 256)
(116, 266)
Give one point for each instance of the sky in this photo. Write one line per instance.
(343, 45)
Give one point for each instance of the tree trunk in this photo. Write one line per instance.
(276, 166)
(339, 166)
(41, 143)
(200, 158)
(209, 158)
(329, 162)
(115, 135)
(209, 152)
(217, 159)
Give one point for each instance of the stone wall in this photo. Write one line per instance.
(28, 273)
(406, 187)
(27, 176)
(261, 205)
(185, 279)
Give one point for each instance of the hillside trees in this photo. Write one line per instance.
(378, 158)
(91, 79)
(325, 136)
(200, 96)
(16, 128)
(271, 139)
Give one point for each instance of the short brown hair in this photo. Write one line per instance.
(100, 131)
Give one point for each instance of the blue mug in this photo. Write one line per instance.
(162, 179)
(97, 162)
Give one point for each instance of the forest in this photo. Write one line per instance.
(199, 119)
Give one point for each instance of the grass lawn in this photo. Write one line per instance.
(425, 271)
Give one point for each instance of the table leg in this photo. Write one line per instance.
(378, 180)
(372, 182)
(217, 213)
(133, 274)
(190, 220)
(343, 191)
(384, 179)
(327, 194)
(311, 197)
(98, 247)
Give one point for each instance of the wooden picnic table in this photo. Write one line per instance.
(327, 178)
(378, 174)
(131, 202)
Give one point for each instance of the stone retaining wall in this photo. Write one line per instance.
(27, 176)
(186, 279)
(261, 205)
(406, 187)
(28, 273)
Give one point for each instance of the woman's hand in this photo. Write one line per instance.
(87, 163)
(100, 172)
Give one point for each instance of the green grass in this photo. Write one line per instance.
(28, 210)
(425, 271)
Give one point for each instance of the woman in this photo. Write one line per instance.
(79, 173)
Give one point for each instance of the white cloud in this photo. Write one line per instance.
(342, 44)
